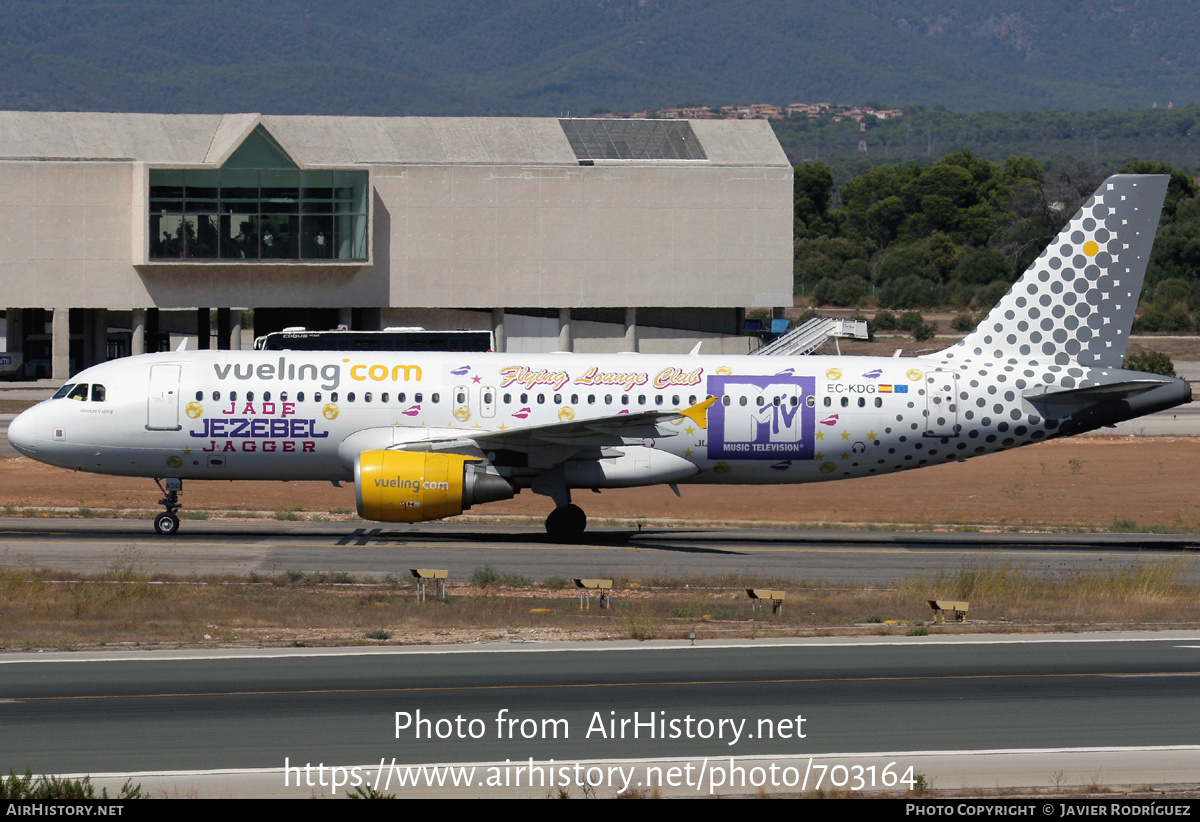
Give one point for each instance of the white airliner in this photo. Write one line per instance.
(425, 436)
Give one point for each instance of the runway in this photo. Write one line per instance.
(997, 710)
(818, 555)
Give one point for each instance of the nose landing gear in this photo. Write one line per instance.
(167, 523)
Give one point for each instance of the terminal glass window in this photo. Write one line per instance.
(258, 206)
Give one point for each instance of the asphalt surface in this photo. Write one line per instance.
(234, 547)
(997, 700)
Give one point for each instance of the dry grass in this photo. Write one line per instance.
(126, 604)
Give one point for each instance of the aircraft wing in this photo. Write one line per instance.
(614, 429)
(545, 445)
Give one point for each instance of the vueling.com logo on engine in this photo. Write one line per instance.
(416, 485)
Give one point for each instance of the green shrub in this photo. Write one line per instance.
(964, 322)
(1151, 362)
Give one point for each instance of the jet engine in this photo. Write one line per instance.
(407, 486)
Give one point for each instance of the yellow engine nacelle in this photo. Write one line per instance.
(407, 486)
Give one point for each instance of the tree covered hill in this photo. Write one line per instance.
(545, 57)
(1106, 139)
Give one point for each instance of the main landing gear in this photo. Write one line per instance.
(566, 523)
(167, 523)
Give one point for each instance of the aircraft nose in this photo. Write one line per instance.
(21, 433)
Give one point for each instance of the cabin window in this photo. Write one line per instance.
(97, 392)
(199, 396)
(742, 401)
(641, 399)
(283, 396)
(507, 398)
(249, 396)
(574, 399)
(216, 395)
(608, 399)
(66, 389)
(460, 398)
(692, 399)
(624, 399)
(862, 401)
(811, 401)
(417, 397)
(828, 402)
(879, 402)
(591, 399)
(524, 399)
(382, 397)
(79, 392)
(658, 399)
(333, 395)
(350, 397)
(233, 396)
(541, 399)
(434, 398)
(400, 397)
(266, 396)
(726, 400)
(366, 396)
(300, 396)
(316, 396)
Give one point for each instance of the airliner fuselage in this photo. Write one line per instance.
(426, 435)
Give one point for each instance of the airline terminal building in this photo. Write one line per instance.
(556, 234)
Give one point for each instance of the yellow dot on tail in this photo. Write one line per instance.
(1091, 248)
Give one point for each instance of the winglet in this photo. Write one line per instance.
(698, 413)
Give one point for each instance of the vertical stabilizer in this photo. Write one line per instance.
(1076, 302)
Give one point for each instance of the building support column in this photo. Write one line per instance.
(346, 318)
(499, 343)
(87, 348)
(14, 330)
(565, 343)
(137, 338)
(99, 334)
(60, 345)
(235, 331)
(203, 329)
(223, 329)
(152, 330)
(631, 332)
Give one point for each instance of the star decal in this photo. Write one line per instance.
(845, 435)
(687, 452)
(820, 435)
(690, 430)
(871, 435)
(818, 456)
(476, 379)
(503, 427)
(187, 450)
(845, 455)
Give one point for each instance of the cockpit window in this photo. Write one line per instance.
(97, 392)
(62, 392)
(79, 392)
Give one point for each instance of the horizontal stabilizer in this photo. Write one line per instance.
(1105, 392)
